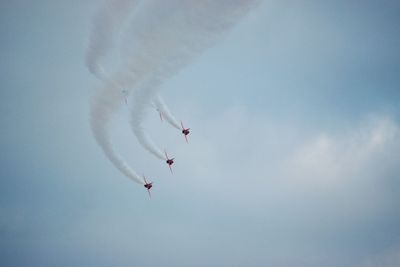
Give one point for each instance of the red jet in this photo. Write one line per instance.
(185, 132)
(161, 116)
(147, 185)
(169, 161)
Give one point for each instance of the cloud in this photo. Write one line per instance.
(320, 183)
(388, 258)
(331, 160)
(237, 144)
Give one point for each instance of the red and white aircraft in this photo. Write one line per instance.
(185, 132)
(169, 161)
(147, 185)
(161, 116)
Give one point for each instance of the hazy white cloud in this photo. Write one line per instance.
(260, 165)
(388, 258)
(322, 159)
(332, 159)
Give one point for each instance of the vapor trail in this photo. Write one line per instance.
(136, 125)
(104, 105)
(176, 32)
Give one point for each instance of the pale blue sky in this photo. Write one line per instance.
(293, 159)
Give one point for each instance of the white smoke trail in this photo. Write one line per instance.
(166, 113)
(103, 106)
(177, 31)
(137, 128)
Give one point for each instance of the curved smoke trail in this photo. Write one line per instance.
(136, 118)
(171, 41)
(104, 105)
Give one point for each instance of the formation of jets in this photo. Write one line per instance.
(169, 161)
